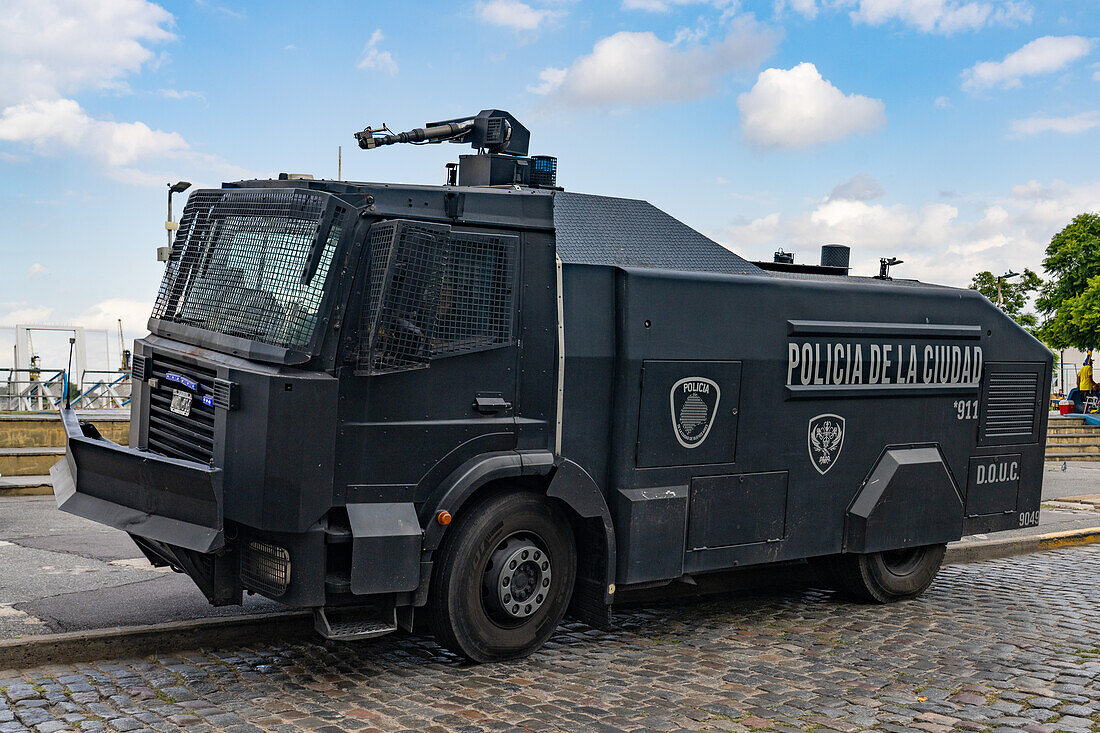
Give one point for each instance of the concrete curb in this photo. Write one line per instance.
(26, 491)
(140, 641)
(965, 552)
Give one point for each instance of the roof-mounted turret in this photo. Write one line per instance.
(501, 142)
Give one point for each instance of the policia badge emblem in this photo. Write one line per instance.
(825, 439)
(694, 403)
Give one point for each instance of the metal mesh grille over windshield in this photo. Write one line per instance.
(237, 264)
(434, 292)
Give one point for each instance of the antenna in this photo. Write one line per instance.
(69, 373)
(339, 162)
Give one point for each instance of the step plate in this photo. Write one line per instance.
(353, 629)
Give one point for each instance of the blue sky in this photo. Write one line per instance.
(958, 135)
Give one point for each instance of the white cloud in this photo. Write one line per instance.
(16, 314)
(60, 126)
(859, 188)
(1041, 56)
(514, 14)
(797, 108)
(806, 8)
(105, 314)
(37, 270)
(937, 243)
(375, 58)
(664, 6)
(54, 126)
(549, 80)
(939, 16)
(181, 94)
(942, 102)
(1080, 122)
(54, 47)
(638, 68)
(102, 315)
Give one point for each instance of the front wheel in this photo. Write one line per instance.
(884, 577)
(504, 578)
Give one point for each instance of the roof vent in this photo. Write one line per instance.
(835, 255)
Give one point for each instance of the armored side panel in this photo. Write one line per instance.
(760, 430)
(908, 500)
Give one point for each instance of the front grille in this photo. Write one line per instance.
(1010, 414)
(265, 568)
(189, 437)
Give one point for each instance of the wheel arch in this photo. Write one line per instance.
(557, 478)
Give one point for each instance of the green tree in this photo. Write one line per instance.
(1070, 299)
(1015, 293)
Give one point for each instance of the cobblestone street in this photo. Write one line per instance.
(1009, 644)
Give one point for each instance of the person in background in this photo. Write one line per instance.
(1085, 386)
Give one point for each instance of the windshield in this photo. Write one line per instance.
(236, 266)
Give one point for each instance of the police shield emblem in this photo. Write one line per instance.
(694, 402)
(825, 439)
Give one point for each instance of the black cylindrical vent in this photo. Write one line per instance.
(835, 255)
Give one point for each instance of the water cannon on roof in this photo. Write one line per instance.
(501, 142)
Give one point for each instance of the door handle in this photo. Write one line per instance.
(486, 403)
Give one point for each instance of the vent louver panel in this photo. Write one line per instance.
(1010, 412)
(138, 367)
(226, 394)
(265, 568)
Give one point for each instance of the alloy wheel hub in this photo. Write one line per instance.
(522, 577)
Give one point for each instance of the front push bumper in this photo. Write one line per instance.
(165, 499)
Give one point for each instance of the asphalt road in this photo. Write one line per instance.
(1078, 478)
(62, 573)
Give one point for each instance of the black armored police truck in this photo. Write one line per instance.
(499, 402)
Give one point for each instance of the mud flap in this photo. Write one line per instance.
(386, 547)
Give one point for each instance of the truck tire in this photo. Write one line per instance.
(518, 540)
(884, 577)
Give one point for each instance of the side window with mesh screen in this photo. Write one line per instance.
(434, 292)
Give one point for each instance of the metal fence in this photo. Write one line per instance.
(43, 390)
(1065, 377)
(103, 390)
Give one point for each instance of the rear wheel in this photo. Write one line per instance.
(883, 577)
(504, 578)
